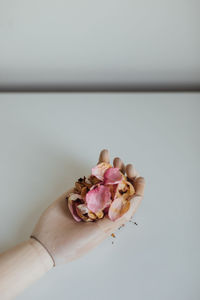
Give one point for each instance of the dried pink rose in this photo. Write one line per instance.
(99, 170)
(122, 194)
(118, 208)
(107, 193)
(72, 207)
(98, 198)
(112, 176)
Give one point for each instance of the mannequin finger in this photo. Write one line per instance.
(118, 163)
(104, 156)
(139, 185)
(131, 172)
(137, 198)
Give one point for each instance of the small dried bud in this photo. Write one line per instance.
(100, 214)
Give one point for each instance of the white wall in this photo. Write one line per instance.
(65, 43)
(49, 140)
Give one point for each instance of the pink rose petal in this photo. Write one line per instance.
(99, 170)
(98, 198)
(112, 176)
(118, 208)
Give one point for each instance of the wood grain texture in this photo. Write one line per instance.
(21, 266)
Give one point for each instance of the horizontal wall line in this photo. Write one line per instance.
(99, 88)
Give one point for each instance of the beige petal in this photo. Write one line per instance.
(99, 170)
(74, 196)
(118, 208)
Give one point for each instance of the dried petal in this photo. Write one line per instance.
(124, 189)
(88, 184)
(78, 186)
(83, 213)
(118, 208)
(98, 198)
(87, 181)
(72, 208)
(83, 208)
(113, 189)
(74, 196)
(130, 188)
(89, 220)
(121, 203)
(84, 182)
(83, 191)
(94, 180)
(91, 215)
(100, 214)
(112, 176)
(99, 170)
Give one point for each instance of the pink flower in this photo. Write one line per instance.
(98, 198)
(108, 195)
(99, 170)
(112, 176)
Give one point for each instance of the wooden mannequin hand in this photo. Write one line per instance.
(65, 239)
(58, 238)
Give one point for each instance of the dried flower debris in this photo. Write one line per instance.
(106, 192)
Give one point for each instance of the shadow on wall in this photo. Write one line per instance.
(107, 87)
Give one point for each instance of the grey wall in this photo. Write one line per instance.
(99, 43)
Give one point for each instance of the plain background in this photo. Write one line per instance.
(49, 140)
(107, 43)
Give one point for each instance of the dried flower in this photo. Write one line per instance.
(106, 192)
